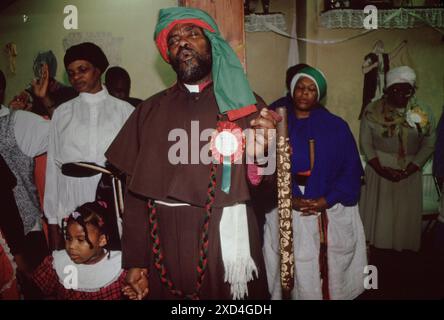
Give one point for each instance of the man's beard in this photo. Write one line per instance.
(193, 70)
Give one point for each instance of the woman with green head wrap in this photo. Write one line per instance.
(328, 237)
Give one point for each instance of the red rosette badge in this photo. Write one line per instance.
(227, 141)
(227, 147)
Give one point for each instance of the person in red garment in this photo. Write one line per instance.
(12, 236)
(98, 271)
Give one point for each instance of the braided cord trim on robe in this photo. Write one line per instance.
(203, 251)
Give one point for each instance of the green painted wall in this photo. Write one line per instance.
(132, 21)
(267, 55)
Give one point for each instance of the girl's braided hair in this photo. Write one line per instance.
(92, 213)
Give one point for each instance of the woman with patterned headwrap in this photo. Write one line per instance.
(397, 137)
(45, 93)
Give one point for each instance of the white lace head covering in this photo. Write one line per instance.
(402, 74)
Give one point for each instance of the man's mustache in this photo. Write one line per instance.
(184, 51)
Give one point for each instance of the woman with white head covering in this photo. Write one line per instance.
(397, 138)
(375, 67)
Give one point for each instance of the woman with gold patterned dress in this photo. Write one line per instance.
(397, 138)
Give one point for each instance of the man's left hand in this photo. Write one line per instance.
(264, 132)
(40, 85)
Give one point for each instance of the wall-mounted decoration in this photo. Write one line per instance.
(375, 67)
(261, 22)
(112, 46)
(11, 52)
(400, 18)
(251, 6)
(381, 4)
(337, 4)
(256, 21)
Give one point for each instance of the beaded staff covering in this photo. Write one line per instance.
(285, 203)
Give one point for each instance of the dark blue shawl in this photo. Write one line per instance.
(438, 159)
(337, 170)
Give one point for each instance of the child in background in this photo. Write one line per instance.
(85, 270)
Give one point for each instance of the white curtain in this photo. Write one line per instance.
(293, 52)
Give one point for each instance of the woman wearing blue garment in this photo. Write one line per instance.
(325, 184)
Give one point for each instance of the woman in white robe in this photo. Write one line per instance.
(81, 130)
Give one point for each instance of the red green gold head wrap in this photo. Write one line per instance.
(233, 93)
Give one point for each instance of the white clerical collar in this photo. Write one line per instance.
(95, 97)
(192, 88)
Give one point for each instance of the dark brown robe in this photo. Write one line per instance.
(141, 151)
